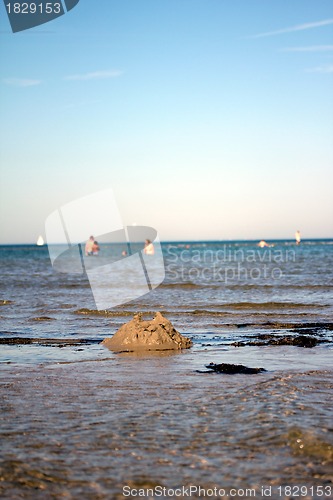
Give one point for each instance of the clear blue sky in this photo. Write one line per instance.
(210, 119)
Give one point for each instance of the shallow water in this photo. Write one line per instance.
(87, 429)
(78, 421)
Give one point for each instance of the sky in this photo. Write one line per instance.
(209, 119)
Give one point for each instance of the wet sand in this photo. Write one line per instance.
(86, 429)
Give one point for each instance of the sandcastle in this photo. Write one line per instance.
(157, 334)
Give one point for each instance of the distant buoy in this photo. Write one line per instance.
(40, 241)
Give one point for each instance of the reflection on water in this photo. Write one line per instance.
(147, 355)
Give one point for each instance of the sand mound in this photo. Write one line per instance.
(154, 335)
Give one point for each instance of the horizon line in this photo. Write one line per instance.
(330, 238)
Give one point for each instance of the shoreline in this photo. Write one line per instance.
(208, 349)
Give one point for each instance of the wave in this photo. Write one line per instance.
(247, 286)
(42, 318)
(47, 341)
(296, 327)
(74, 285)
(185, 284)
(105, 312)
(268, 305)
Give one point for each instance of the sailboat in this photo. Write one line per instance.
(40, 241)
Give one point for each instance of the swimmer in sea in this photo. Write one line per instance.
(149, 248)
(89, 246)
(95, 248)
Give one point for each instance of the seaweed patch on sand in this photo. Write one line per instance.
(231, 369)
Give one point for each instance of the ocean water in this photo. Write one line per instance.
(214, 292)
(79, 421)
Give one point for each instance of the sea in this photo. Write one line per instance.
(80, 421)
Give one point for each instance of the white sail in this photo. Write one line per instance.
(298, 237)
(40, 241)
